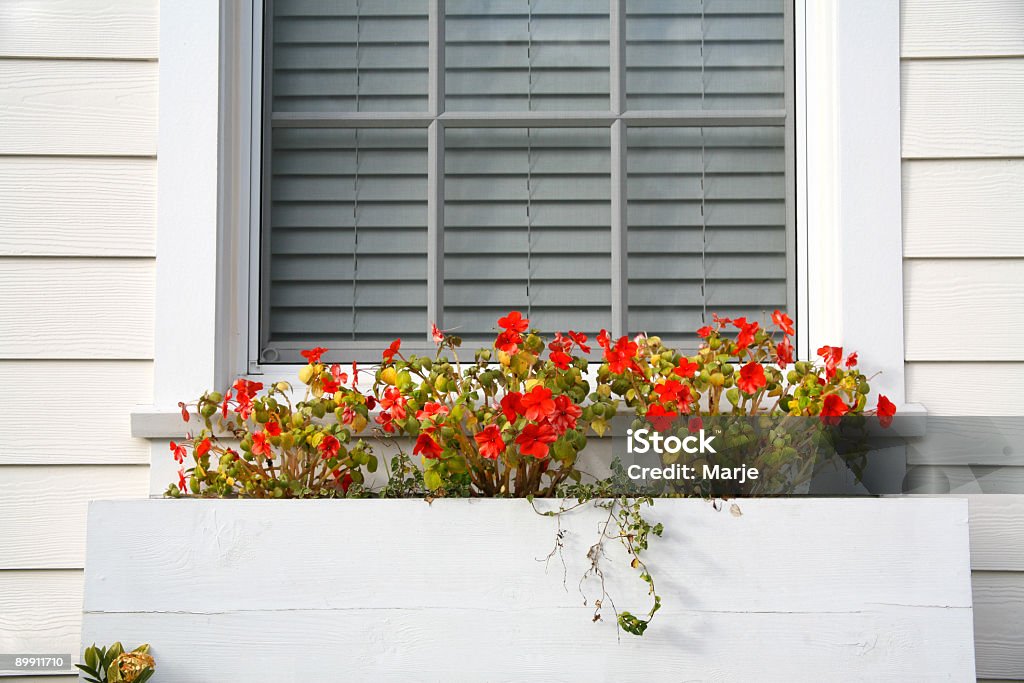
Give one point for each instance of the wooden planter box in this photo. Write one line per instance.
(459, 590)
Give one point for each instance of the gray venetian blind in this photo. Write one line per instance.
(590, 163)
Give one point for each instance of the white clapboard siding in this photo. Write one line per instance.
(78, 107)
(965, 440)
(999, 623)
(44, 508)
(962, 28)
(93, 398)
(77, 206)
(41, 612)
(76, 308)
(784, 587)
(963, 108)
(965, 388)
(80, 28)
(997, 532)
(960, 208)
(969, 309)
(965, 479)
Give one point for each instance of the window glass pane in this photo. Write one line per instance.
(350, 55)
(705, 54)
(347, 235)
(527, 219)
(706, 226)
(516, 55)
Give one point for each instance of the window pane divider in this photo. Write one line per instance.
(530, 119)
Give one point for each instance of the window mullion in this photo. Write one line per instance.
(619, 245)
(435, 166)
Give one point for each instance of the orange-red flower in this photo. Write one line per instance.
(784, 353)
(885, 411)
(489, 442)
(508, 341)
(705, 331)
(427, 447)
(393, 401)
(181, 480)
(581, 341)
(832, 355)
(670, 390)
(260, 445)
(851, 360)
(833, 408)
(747, 331)
(660, 418)
(561, 359)
(202, 448)
(686, 369)
(537, 404)
(535, 439)
(514, 322)
(436, 333)
(511, 405)
(751, 378)
(313, 355)
(620, 357)
(273, 427)
(179, 452)
(783, 322)
(565, 414)
(389, 353)
(184, 411)
(328, 446)
(244, 387)
(431, 409)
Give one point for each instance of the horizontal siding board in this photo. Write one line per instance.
(965, 479)
(80, 28)
(41, 612)
(997, 532)
(961, 28)
(44, 510)
(999, 623)
(963, 108)
(963, 208)
(77, 206)
(949, 304)
(78, 107)
(953, 387)
(76, 308)
(96, 398)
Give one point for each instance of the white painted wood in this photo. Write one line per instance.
(79, 28)
(980, 388)
(78, 107)
(965, 309)
(68, 206)
(963, 207)
(963, 108)
(44, 510)
(997, 532)
(76, 308)
(187, 197)
(812, 589)
(999, 623)
(962, 28)
(41, 612)
(96, 398)
(991, 441)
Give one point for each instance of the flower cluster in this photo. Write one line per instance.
(254, 442)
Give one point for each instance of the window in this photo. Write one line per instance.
(623, 165)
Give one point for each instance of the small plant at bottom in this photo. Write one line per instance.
(114, 665)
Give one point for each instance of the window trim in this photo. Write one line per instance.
(617, 119)
(847, 56)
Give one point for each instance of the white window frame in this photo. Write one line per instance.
(849, 217)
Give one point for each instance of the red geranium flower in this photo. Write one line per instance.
(338, 375)
(669, 390)
(535, 439)
(328, 446)
(514, 322)
(224, 405)
(202, 448)
(244, 407)
(851, 360)
(244, 387)
(581, 341)
(721, 322)
(385, 421)
(783, 322)
(561, 360)
(511, 405)
(832, 356)
(705, 331)
(695, 425)
(427, 447)
(313, 355)
(179, 452)
(885, 411)
(833, 408)
(508, 341)
(537, 404)
(355, 374)
(389, 353)
(330, 386)
(430, 410)
(273, 428)
(490, 442)
(784, 353)
(260, 445)
(660, 418)
(751, 378)
(184, 411)
(436, 333)
(560, 343)
(620, 358)
(747, 331)
(603, 340)
(393, 401)
(686, 369)
(181, 480)
(564, 415)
